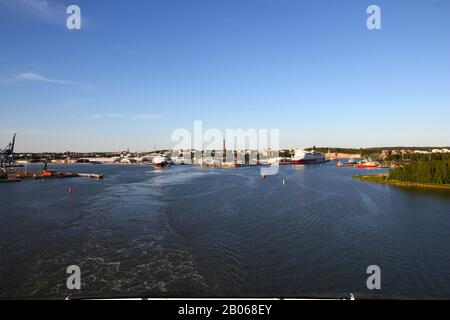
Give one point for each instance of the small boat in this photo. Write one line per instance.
(263, 162)
(367, 165)
(161, 161)
(180, 160)
(339, 164)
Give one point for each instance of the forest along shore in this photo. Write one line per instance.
(431, 173)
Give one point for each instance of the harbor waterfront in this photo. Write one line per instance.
(186, 229)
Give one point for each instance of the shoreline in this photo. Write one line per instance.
(380, 178)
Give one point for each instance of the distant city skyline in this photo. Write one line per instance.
(139, 70)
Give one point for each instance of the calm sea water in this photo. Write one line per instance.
(190, 230)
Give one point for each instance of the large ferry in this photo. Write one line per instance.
(306, 157)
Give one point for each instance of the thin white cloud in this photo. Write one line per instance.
(48, 11)
(108, 115)
(30, 76)
(144, 116)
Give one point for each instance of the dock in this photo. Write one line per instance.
(21, 175)
(91, 176)
(9, 173)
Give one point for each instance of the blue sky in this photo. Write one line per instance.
(137, 70)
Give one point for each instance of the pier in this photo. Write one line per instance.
(20, 175)
(91, 175)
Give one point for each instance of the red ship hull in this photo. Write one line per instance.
(361, 166)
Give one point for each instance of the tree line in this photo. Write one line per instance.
(425, 171)
(419, 157)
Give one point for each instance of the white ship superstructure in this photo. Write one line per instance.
(306, 157)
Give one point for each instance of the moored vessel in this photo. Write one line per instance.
(161, 161)
(367, 164)
(308, 157)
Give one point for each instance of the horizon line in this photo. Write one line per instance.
(284, 148)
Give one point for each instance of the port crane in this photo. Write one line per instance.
(6, 155)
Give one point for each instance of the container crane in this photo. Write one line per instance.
(6, 155)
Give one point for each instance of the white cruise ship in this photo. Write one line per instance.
(306, 157)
